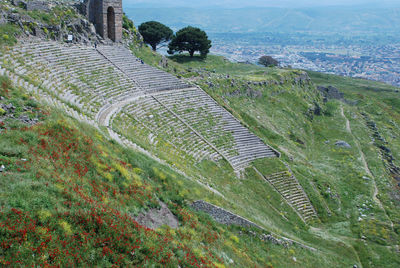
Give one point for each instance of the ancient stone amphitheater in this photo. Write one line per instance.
(109, 82)
(108, 86)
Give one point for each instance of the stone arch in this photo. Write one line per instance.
(111, 23)
(106, 15)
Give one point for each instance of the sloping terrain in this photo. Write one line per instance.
(70, 196)
(257, 196)
(353, 188)
(91, 146)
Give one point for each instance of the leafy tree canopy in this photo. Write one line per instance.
(155, 33)
(268, 61)
(190, 39)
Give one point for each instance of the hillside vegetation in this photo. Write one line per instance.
(69, 197)
(353, 190)
(72, 196)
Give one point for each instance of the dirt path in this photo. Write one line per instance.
(348, 128)
(363, 160)
(367, 170)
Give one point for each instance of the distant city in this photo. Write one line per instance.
(353, 41)
(379, 62)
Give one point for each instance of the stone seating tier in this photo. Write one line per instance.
(82, 75)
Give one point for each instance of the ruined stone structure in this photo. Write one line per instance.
(106, 15)
(34, 5)
(222, 216)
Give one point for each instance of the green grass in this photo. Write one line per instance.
(72, 170)
(57, 16)
(69, 181)
(269, 166)
(333, 177)
(220, 65)
(8, 34)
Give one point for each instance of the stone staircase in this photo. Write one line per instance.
(287, 185)
(383, 146)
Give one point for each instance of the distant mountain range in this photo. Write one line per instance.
(258, 3)
(343, 20)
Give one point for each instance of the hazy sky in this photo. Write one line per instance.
(263, 3)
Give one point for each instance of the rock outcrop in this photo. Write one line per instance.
(387, 155)
(155, 218)
(77, 26)
(342, 144)
(331, 92)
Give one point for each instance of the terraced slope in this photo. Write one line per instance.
(100, 83)
(44, 96)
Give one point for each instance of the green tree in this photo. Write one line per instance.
(155, 33)
(268, 61)
(190, 39)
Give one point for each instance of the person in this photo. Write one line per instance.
(95, 45)
(142, 61)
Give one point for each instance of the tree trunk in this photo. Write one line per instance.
(154, 47)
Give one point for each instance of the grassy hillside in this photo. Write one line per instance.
(354, 192)
(70, 195)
